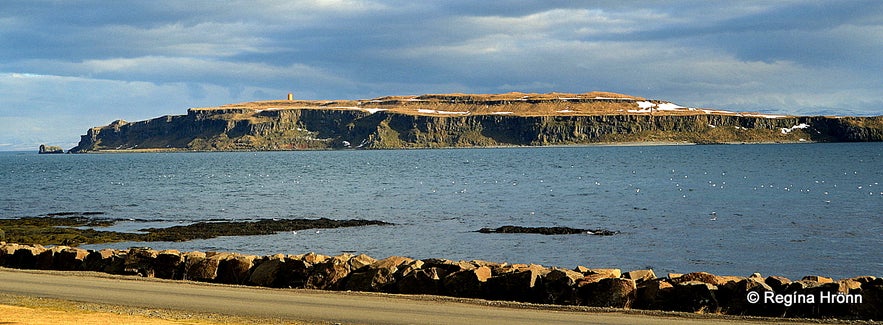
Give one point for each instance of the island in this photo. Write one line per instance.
(44, 149)
(465, 120)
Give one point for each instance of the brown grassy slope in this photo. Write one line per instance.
(515, 103)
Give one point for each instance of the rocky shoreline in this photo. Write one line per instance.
(700, 292)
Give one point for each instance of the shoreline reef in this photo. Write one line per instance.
(857, 298)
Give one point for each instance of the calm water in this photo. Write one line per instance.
(789, 210)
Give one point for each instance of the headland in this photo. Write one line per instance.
(464, 120)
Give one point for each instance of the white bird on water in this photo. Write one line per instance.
(713, 216)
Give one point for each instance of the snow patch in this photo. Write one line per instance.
(432, 111)
(374, 110)
(668, 107)
(798, 126)
(502, 113)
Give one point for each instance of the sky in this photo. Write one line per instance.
(66, 66)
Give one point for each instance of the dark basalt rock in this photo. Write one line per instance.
(546, 231)
(75, 228)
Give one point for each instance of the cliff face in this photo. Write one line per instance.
(327, 126)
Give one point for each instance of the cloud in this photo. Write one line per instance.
(94, 61)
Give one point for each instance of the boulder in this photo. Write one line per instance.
(25, 256)
(650, 293)
(199, 267)
(815, 308)
(467, 283)
(592, 278)
(141, 261)
(360, 261)
(6, 251)
(313, 258)
(733, 298)
(422, 282)
(704, 277)
(266, 272)
(640, 275)
(778, 283)
(329, 273)
(295, 271)
(520, 285)
(692, 296)
(609, 292)
(169, 264)
(379, 276)
(106, 260)
(871, 306)
(559, 287)
(70, 259)
(234, 269)
(609, 273)
(46, 258)
(818, 278)
(448, 266)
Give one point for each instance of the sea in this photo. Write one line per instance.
(777, 209)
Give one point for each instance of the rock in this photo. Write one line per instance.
(25, 256)
(106, 260)
(692, 296)
(778, 283)
(46, 258)
(70, 259)
(169, 264)
(467, 283)
(234, 269)
(592, 278)
(44, 149)
(199, 267)
(609, 292)
(640, 275)
(818, 278)
(422, 282)
(266, 272)
(360, 261)
(706, 277)
(733, 300)
(330, 272)
(448, 266)
(559, 287)
(296, 270)
(815, 308)
(379, 276)
(546, 231)
(6, 251)
(523, 285)
(610, 273)
(872, 300)
(649, 293)
(141, 261)
(313, 258)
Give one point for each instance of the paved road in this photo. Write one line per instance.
(300, 305)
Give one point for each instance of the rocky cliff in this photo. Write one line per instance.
(457, 120)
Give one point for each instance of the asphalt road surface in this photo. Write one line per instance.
(311, 305)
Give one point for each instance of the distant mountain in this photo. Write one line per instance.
(464, 120)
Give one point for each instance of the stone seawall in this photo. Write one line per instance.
(775, 296)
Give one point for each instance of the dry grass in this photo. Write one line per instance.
(515, 104)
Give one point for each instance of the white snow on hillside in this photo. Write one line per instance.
(798, 126)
